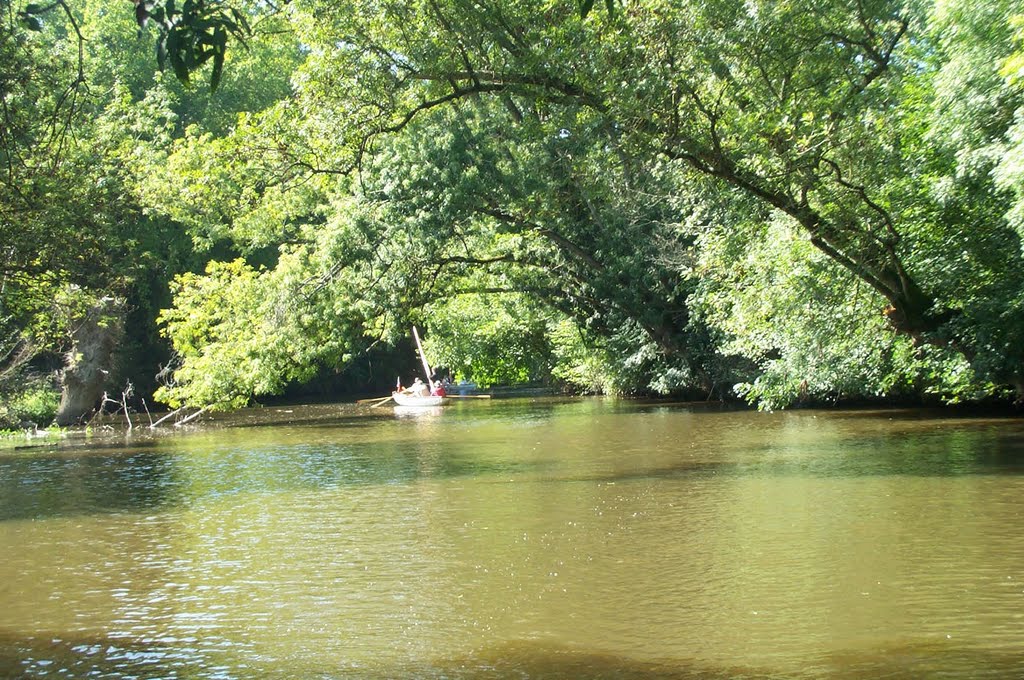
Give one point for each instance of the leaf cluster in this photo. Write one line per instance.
(192, 33)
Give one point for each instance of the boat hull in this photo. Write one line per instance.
(413, 400)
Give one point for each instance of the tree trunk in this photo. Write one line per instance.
(88, 363)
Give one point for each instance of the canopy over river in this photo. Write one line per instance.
(520, 538)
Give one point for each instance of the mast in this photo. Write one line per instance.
(423, 357)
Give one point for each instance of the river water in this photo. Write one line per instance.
(520, 538)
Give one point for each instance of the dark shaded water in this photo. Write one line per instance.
(528, 539)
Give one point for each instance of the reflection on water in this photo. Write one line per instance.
(531, 539)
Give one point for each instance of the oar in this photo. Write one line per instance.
(367, 401)
(383, 401)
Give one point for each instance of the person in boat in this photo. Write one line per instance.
(419, 388)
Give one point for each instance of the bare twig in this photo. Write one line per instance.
(166, 416)
(192, 417)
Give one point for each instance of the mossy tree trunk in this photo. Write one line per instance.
(88, 363)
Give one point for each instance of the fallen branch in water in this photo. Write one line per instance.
(166, 417)
(183, 421)
(192, 417)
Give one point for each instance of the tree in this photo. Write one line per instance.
(596, 161)
(818, 112)
(463, 208)
(61, 213)
(86, 116)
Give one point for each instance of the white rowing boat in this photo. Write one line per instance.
(405, 399)
(430, 394)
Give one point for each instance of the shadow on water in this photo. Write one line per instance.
(68, 656)
(150, 475)
(56, 483)
(59, 655)
(543, 661)
(59, 484)
(943, 455)
(929, 454)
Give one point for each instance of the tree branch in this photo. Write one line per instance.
(564, 244)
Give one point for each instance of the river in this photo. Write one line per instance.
(541, 538)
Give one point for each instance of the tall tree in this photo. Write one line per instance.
(830, 119)
(86, 115)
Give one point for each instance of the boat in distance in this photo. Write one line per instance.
(421, 393)
(406, 399)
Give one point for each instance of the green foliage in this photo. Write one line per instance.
(34, 402)
(1009, 172)
(193, 33)
(813, 201)
(812, 329)
(586, 5)
(64, 219)
(535, 151)
(578, 363)
(76, 168)
(489, 339)
(217, 189)
(238, 335)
